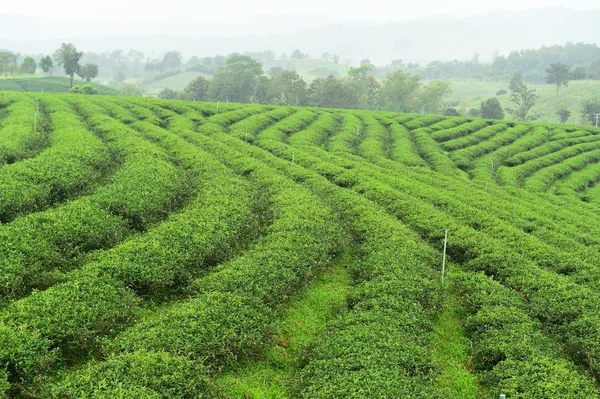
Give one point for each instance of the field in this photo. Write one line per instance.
(176, 82)
(48, 85)
(469, 94)
(170, 249)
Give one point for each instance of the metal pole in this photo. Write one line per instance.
(444, 259)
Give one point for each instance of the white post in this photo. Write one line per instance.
(217, 107)
(493, 170)
(444, 259)
(357, 130)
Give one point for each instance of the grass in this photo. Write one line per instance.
(469, 94)
(177, 82)
(451, 351)
(297, 326)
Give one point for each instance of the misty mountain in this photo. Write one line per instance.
(419, 40)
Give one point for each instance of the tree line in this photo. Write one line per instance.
(67, 56)
(242, 79)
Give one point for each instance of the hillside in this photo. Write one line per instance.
(469, 94)
(163, 249)
(49, 85)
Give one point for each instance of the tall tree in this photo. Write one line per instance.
(28, 66)
(68, 57)
(399, 91)
(88, 72)
(365, 85)
(46, 64)
(171, 60)
(432, 95)
(522, 97)
(331, 92)
(237, 80)
(491, 109)
(197, 89)
(563, 114)
(287, 88)
(590, 108)
(558, 74)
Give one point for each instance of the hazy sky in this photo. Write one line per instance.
(238, 11)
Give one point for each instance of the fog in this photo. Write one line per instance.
(382, 30)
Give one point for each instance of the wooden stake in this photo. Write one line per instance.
(444, 259)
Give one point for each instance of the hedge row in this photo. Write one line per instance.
(380, 348)
(403, 150)
(509, 350)
(282, 129)
(23, 133)
(464, 128)
(483, 134)
(465, 157)
(516, 175)
(431, 151)
(75, 317)
(75, 159)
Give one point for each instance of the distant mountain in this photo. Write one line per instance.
(426, 39)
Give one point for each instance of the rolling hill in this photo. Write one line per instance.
(160, 249)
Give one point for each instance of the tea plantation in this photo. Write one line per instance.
(171, 249)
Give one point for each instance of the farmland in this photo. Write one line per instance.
(48, 85)
(170, 249)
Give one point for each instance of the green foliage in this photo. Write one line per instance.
(522, 97)
(237, 81)
(68, 57)
(88, 72)
(85, 89)
(398, 91)
(491, 109)
(46, 64)
(558, 74)
(168, 94)
(28, 66)
(197, 89)
(143, 374)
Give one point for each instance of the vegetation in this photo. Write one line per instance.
(164, 248)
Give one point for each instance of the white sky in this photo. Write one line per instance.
(242, 10)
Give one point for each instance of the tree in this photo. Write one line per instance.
(68, 57)
(46, 64)
(431, 96)
(287, 88)
(522, 97)
(171, 60)
(578, 73)
(197, 89)
(563, 114)
(335, 58)
(168, 94)
(129, 89)
(28, 66)
(558, 74)
(331, 92)
(589, 109)
(365, 86)
(274, 71)
(399, 90)
(491, 109)
(298, 55)
(237, 80)
(88, 72)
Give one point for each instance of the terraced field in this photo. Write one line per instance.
(169, 249)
